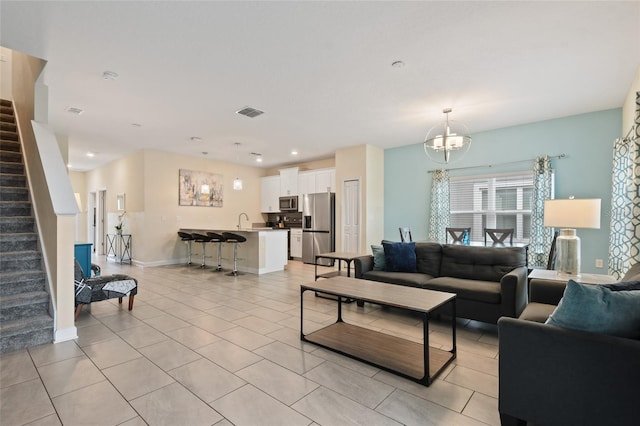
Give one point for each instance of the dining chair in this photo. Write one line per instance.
(457, 235)
(551, 261)
(498, 235)
(405, 234)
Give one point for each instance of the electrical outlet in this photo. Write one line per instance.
(599, 263)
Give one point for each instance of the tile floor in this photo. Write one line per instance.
(203, 348)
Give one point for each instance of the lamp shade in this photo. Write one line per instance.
(572, 213)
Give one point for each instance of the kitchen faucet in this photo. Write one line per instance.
(240, 217)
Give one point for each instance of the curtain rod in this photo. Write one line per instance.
(500, 164)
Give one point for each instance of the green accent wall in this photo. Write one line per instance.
(585, 172)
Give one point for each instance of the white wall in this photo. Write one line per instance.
(149, 179)
(5, 74)
(629, 106)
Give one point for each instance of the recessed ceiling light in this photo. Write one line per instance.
(397, 64)
(91, 154)
(195, 139)
(109, 75)
(74, 110)
(258, 157)
(136, 124)
(204, 153)
(294, 152)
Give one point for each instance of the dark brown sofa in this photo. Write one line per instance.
(489, 282)
(556, 376)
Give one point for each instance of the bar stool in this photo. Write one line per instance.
(217, 238)
(236, 239)
(188, 239)
(200, 238)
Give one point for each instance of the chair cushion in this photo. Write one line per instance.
(404, 278)
(610, 309)
(481, 291)
(538, 312)
(399, 257)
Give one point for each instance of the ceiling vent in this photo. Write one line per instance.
(74, 110)
(250, 112)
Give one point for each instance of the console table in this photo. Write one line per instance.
(119, 247)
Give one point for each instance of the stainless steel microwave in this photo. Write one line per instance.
(289, 203)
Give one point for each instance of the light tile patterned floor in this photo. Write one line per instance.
(203, 348)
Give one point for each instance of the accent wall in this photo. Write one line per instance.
(584, 172)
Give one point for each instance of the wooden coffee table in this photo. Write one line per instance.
(391, 353)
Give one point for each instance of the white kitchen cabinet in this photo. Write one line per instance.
(270, 195)
(289, 181)
(296, 243)
(326, 180)
(306, 185)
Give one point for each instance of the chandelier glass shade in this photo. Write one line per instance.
(447, 141)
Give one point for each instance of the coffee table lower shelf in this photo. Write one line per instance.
(382, 350)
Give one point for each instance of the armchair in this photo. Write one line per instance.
(95, 289)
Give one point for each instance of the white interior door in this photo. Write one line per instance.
(351, 216)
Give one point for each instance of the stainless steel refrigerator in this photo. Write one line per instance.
(318, 226)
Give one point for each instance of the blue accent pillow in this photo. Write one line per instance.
(608, 309)
(399, 257)
(378, 257)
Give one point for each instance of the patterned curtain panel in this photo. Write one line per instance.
(439, 218)
(624, 240)
(541, 237)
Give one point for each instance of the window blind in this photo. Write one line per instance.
(492, 201)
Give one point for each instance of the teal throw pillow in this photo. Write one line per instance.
(611, 309)
(399, 257)
(378, 257)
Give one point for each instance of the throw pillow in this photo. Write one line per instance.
(599, 309)
(399, 257)
(378, 257)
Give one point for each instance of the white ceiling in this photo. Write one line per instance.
(321, 71)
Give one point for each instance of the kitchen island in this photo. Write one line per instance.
(266, 249)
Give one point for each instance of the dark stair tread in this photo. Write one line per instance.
(19, 326)
(21, 299)
(16, 276)
(22, 254)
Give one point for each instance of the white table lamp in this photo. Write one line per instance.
(569, 214)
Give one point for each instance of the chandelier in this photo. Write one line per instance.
(447, 141)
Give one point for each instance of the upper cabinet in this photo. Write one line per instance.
(292, 182)
(314, 181)
(270, 196)
(326, 180)
(289, 181)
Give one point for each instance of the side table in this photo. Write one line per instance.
(347, 257)
(550, 275)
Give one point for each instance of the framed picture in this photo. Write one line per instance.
(200, 188)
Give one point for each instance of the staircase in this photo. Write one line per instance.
(24, 303)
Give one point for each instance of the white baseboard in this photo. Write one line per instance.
(65, 334)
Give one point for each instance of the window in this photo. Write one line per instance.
(492, 201)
